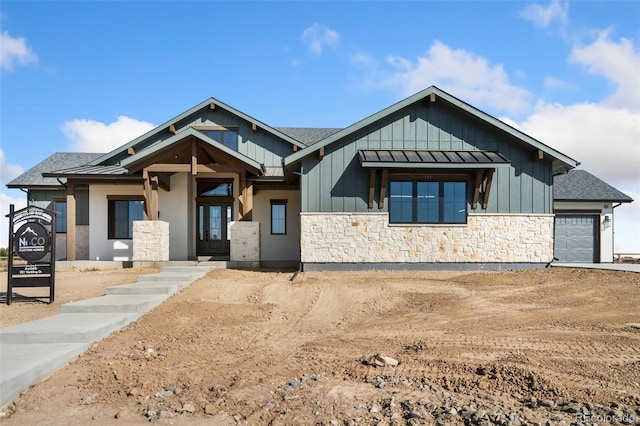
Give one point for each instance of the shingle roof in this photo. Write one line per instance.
(580, 185)
(59, 160)
(308, 135)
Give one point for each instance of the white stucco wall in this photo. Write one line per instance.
(606, 228)
(174, 208)
(100, 246)
(276, 248)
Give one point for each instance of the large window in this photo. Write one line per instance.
(413, 201)
(278, 217)
(122, 213)
(227, 137)
(61, 217)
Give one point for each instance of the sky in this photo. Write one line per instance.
(89, 76)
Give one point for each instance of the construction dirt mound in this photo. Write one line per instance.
(536, 347)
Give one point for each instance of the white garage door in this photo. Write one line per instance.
(575, 239)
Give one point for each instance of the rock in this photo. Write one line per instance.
(210, 409)
(546, 403)
(571, 407)
(379, 360)
(189, 408)
(374, 409)
(413, 415)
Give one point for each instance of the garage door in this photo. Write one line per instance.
(575, 239)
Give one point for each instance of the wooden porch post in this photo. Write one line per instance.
(71, 220)
(246, 198)
(150, 196)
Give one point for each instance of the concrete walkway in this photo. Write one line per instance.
(627, 267)
(32, 351)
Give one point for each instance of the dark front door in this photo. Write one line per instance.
(213, 233)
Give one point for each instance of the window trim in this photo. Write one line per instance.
(111, 220)
(59, 222)
(441, 180)
(279, 203)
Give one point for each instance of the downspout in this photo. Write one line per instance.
(613, 231)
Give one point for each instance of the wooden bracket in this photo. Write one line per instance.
(431, 99)
(321, 153)
(476, 189)
(383, 188)
(254, 127)
(172, 129)
(537, 155)
(212, 106)
(488, 177)
(295, 148)
(194, 157)
(372, 186)
(131, 151)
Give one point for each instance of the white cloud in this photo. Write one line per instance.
(94, 136)
(8, 171)
(605, 140)
(617, 62)
(627, 224)
(468, 76)
(318, 37)
(14, 51)
(5, 201)
(543, 16)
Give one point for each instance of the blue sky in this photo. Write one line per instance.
(88, 76)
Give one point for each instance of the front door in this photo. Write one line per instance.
(214, 229)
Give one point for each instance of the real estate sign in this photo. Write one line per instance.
(32, 239)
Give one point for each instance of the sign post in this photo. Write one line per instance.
(32, 238)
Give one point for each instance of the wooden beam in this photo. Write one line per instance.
(164, 182)
(476, 189)
(246, 198)
(212, 106)
(487, 188)
(254, 127)
(172, 129)
(321, 153)
(168, 168)
(383, 188)
(71, 221)
(372, 186)
(150, 184)
(194, 157)
(131, 151)
(537, 155)
(431, 99)
(295, 148)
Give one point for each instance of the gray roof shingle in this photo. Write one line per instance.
(59, 160)
(580, 185)
(308, 135)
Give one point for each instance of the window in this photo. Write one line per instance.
(226, 137)
(122, 213)
(61, 217)
(215, 189)
(278, 217)
(413, 201)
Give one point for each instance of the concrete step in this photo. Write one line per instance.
(22, 365)
(171, 276)
(65, 328)
(188, 269)
(114, 303)
(148, 287)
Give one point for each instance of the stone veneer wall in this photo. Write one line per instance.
(150, 241)
(245, 242)
(369, 238)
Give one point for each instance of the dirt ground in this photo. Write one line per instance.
(537, 347)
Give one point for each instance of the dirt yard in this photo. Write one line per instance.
(548, 346)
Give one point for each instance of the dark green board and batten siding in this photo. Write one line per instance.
(260, 145)
(44, 199)
(338, 182)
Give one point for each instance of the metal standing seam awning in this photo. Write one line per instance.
(482, 162)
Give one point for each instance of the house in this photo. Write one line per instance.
(584, 207)
(430, 179)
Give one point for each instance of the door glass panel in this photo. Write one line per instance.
(215, 222)
(228, 223)
(200, 223)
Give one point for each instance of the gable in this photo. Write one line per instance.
(438, 118)
(256, 140)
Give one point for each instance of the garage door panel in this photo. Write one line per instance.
(575, 238)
